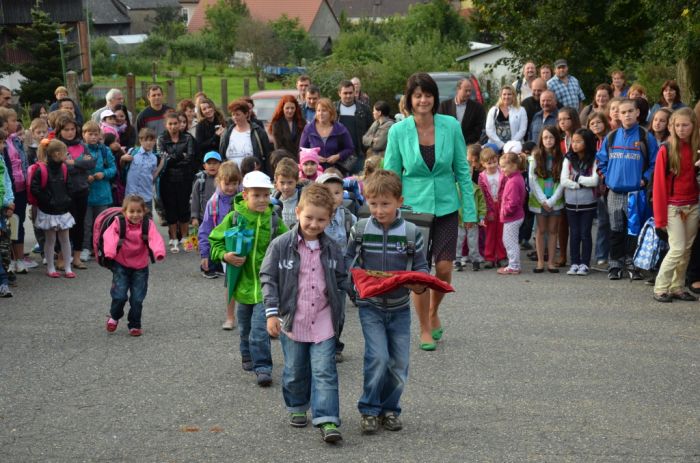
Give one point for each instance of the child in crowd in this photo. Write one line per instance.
(117, 183)
(251, 210)
(305, 308)
(676, 204)
(38, 130)
(385, 320)
(579, 177)
(204, 186)
(130, 263)
(614, 112)
(659, 126)
(568, 122)
(109, 123)
(512, 210)
(309, 166)
(141, 167)
(249, 164)
(100, 190)
(471, 235)
(491, 185)
(546, 192)
(219, 205)
(80, 163)
(288, 192)
(16, 163)
(277, 155)
(599, 125)
(6, 210)
(54, 204)
(338, 230)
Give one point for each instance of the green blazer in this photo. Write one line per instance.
(433, 192)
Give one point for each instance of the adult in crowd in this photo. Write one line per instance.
(61, 94)
(507, 120)
(545, 72)
(359, 94)
(376, 137)
(287, 124)
(545, 116)
(303, 82)
(532, 103)
(127, 132)
(619, 84)
(308, 108)
(670, 98)
(603, 95)
(565, 86)
(211, 125)
(153, 116)
(186, 107)
(356, 117)
(6, 97)
(523, 84)
(38, 110)
(470, 113)
(177, 148)
(427, 151)
(326, 133)
(244, 137)
(113, 98)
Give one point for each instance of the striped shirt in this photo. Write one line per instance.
(312, 319)
(569, 93)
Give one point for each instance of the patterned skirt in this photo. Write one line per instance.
(54, 222)
(445, 229)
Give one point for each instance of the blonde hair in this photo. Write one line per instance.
(316, 194)
(38, 123)
(674, 143)
(55, 115)
(91, 126)
(372, 164)
(486, 155)
(228, 173)
(8, 113)
(48, 149)
(286, 167)
(512, 90)
(382, 182)
(328, 106)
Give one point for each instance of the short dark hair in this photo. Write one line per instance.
(344, 84)
(239, 105)
(303, 78)
(313, 89)
(426, 83)
(383, 107)
(154, 87)
(63, 100)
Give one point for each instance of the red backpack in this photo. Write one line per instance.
(44, 172)
(102, 223)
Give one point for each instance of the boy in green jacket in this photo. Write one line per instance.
(253, 210)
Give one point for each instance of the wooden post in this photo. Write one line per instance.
(246, 86)
(172, 99)
(72, 85)
(224, 96)
(154, 75)
(144, 89)
(131, 92)
(199, 83)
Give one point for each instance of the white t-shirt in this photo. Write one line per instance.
(239, 146)
(348, 110)
(493, 184)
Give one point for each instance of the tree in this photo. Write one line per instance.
(222, 23)
(44, 72)
(258, 39)
(296, 40)
(168, 22)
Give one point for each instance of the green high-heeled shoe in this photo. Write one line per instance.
(437, 333)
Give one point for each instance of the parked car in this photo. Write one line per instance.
(266, 101)
(447, 85)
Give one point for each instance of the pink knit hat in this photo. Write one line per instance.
(308, 154)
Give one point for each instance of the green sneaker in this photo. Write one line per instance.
(298, 420)
(330, 433)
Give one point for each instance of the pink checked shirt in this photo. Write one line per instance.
(312, 319)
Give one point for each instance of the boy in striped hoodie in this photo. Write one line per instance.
(385, 242)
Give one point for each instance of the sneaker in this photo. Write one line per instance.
(615, 273)
(29, 263)
(601, 263)
(635, 274)
(330, 433)
(12, 268)
(36, 249)
(298, 420)
(220, 273)
(573, 270)
(85, 255)
(508, 271)
(582, 270)
(458, 265)
(489, 264)
(464, 260)
(5, 291)
(135, 332)
(525, 246)
(339, 357)
(247, 364)
(391, 422)
(476, 266)
(263, 378)
(112, 325)
(209, 275)
(43, 260)
(20, 269)
(228, 325)
(369, 424)
(173, 246)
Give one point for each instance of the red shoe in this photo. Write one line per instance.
(112, 325)
(507, 271)
(69, 275)
(53, 274)
(135, 332)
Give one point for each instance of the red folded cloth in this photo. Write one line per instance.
(373, 283)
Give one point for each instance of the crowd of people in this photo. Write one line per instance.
(285, 210)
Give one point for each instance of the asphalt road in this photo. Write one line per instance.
(544, 367)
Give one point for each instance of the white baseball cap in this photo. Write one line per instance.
(106, 113)
(257, 179)
(513, 146)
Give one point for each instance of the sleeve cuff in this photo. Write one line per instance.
(271, 312)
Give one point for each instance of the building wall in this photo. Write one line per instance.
(325, 26)
(478, 66)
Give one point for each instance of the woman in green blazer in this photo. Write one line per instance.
(427, 151)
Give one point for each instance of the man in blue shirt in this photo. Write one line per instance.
(566, 87)
(546, 116)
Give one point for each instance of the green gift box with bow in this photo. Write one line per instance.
(239, 241)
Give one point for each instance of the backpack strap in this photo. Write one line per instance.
(274, 225)
(348, 220)
(410, 244)
(145, 225)
(360, 228)
(44, 174)
(122, 231)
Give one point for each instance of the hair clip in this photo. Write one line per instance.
(45, 142)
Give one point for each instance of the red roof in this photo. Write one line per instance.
(265, 10)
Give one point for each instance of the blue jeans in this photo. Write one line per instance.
(311, 379)
(387, 347)
(580, 239)
(4, 280)
(255, 342)
(132, 285)
(602, 239)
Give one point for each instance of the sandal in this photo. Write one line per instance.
(684, 296)
(79, 265)
(663, 297)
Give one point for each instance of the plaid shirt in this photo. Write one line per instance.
(569, 94)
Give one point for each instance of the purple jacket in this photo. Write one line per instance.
(217, 207)
(338, 142)
(513, 200)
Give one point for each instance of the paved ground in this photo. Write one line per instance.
(532, 368)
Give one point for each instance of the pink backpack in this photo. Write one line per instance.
(102, 223)
(44, 172)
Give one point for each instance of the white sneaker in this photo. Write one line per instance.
(20, 268)
(173, 246)
(582, 270)
(12, 268)
(85, 255)
(573, 270)
(29, 263)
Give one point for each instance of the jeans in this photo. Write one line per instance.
(4, 280)
(311, 379)
(580, 239)
(255, 342)
(602, 239)
(132, 285)
(340, 345)
(387, 347)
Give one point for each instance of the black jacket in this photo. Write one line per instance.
(283, 136)
(206, 138)
(54, 198)
(178, 155)
(473, 122)
(364, 120)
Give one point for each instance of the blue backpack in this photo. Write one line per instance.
(649, 247)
